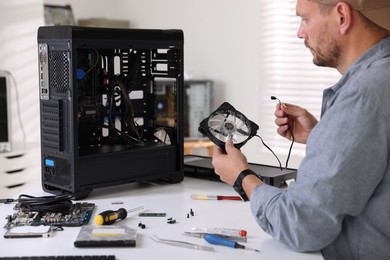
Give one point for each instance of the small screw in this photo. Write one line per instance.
(191, 212)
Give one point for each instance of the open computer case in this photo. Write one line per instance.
(99, 121)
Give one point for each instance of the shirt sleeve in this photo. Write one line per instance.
(346, 158)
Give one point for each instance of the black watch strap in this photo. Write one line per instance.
(238, 183)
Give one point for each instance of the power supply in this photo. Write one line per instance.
(99, 117)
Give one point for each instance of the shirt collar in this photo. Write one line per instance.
(375, 52)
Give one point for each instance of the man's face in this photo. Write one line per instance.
(317, 34)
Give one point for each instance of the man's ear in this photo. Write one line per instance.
(344, 14)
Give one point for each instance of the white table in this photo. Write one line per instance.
(173, 199)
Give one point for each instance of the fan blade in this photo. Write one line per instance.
(215, 129)
(225, 114)
(217, 118)
(241, 131)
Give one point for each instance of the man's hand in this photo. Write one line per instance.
(295, 120)
(229, 165)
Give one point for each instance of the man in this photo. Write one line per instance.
(340, 201)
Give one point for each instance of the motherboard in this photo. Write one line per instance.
(78, 215)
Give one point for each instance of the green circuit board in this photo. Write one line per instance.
(79, 215)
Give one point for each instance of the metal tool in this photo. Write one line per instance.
(109, 217)
(218, 240)
(221, 231)
(202, 234)
(182, 244)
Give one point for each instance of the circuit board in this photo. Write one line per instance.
(79, 215)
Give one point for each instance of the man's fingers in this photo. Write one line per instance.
(281, 121)
(229, 146)
(282, 130)
(279, 113)
(217, 151)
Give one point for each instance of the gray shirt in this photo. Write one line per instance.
(340, 201)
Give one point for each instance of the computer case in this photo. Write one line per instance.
(197, 102)
(98, 107)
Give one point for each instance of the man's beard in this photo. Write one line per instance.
(327, 53)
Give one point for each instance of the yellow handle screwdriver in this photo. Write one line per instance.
(109, 217)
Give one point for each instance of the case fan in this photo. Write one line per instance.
(228, 123)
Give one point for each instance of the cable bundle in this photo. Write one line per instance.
(62, 203)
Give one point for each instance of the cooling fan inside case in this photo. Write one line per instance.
(228, 123)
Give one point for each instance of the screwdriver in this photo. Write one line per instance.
(109, 217)
(218, 240)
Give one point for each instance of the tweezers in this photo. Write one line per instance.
(182, 244)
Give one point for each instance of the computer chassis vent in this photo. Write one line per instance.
(52, 125)
(59, 71)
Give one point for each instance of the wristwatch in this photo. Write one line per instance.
(238, 183)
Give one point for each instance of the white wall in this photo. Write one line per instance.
(220, 44)
(220, 36)
(19, 20)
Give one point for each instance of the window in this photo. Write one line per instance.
(287, 72)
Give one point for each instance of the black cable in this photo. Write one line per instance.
(129, 121)
(280, 164)
(61, 203)
(289, 150)
(291, 133)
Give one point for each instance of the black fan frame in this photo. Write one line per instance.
(226, 107)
